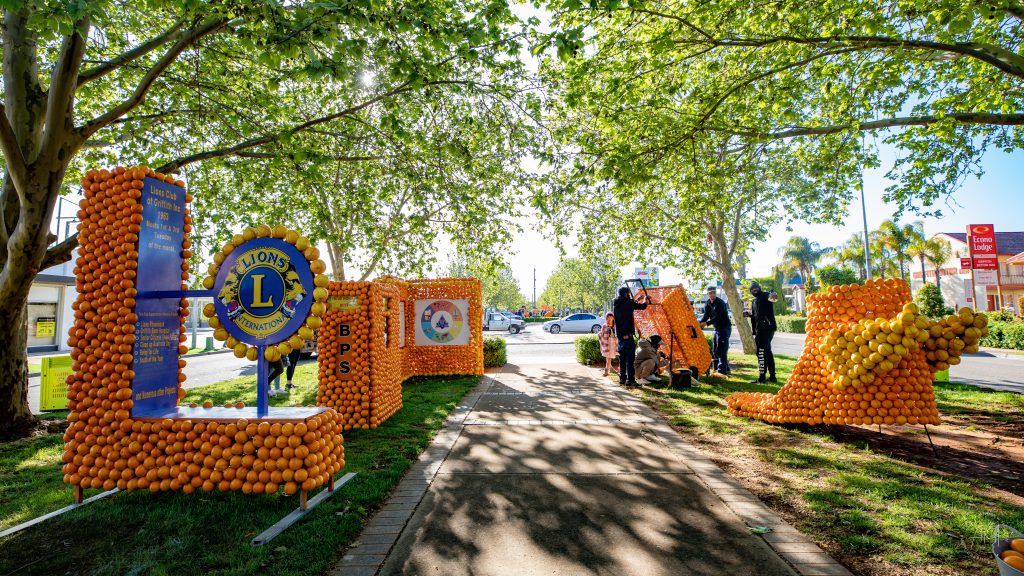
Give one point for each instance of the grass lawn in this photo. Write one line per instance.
(209, 533)
(876, 514)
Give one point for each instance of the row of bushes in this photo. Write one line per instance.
(588, 349)
(537, 319)
(495, 354)
(1005, 335)
(795, 324)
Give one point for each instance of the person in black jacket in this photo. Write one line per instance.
(717, 315)
(625, 331)
(762, 316)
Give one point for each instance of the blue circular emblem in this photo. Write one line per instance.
(263, 291)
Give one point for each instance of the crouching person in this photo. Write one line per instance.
(649, 360)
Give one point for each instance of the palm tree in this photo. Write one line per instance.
(851, 254)
(885, 264)
(898, 239)
(802, 255)
(936, 253)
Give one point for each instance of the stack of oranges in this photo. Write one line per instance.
(359, 368)
(869, 358)
(316, 266)
(690, 344)
(446, 360)
(105, 446)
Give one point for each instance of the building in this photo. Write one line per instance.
(49, 308)
(955, 281)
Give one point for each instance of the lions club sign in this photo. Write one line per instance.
(263, 291)
(441, 322)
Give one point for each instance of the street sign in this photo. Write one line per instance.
(966, 264)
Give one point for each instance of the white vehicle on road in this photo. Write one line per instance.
(581, 322)
(502, 321)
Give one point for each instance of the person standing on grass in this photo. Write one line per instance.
(607, 339)
(717, 314)
(762, 320)
(293, 362)
(625, 332)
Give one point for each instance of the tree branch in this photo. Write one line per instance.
(60, 103)
(15, 160)
(994, 55)
(961, 118)
(183, 42)
(60, 253)
(139, 51)
(175, 165)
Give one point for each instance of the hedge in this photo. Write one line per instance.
(537, 319)
(495, 354)
(795, 324)
(588, 349)
(1005, 335)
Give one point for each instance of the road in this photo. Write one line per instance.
(983, 369)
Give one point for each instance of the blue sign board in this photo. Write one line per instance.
(155, 386)
(264, 291)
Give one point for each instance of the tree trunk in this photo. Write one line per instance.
(924, 273)
(735, 302)
(16, 419)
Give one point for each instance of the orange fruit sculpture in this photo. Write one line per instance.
(669, 313)
(869, 358)
(105, 446)
(366, 347)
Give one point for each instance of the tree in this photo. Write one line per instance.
(929, 300)
(429, 169)
(900, 240)
(499, 288)
(581, 283)
(102, 82)
(802, 255)
(832, 275)
(851, 255)
(941, 80)
(933, 251)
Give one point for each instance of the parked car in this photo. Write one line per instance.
(502, 321)
(575, 323)
(309, 347)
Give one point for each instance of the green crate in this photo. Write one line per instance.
(53, 383)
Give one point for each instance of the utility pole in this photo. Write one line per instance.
(534, 287)
(864, 213)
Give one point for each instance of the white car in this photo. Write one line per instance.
(575, 323)
(502, 321)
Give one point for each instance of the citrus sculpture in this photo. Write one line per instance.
(869, 357)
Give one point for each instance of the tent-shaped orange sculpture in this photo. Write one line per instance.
(670, 313)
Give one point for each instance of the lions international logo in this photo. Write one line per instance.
(261, 291)
(441, 321)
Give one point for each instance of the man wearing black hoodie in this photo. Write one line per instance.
(762, 320)
(625, 331)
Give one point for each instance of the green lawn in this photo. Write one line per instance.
(209, 533)
(876, 514)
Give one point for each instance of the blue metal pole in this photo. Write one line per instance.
(262, 385)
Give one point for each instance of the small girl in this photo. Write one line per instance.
(607, 339)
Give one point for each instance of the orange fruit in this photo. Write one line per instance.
(1017, 545)
(1015, 562)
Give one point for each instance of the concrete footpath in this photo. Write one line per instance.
(546, 469)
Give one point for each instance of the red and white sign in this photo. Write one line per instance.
(986, 277)
(966, 264)
(982, 240)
